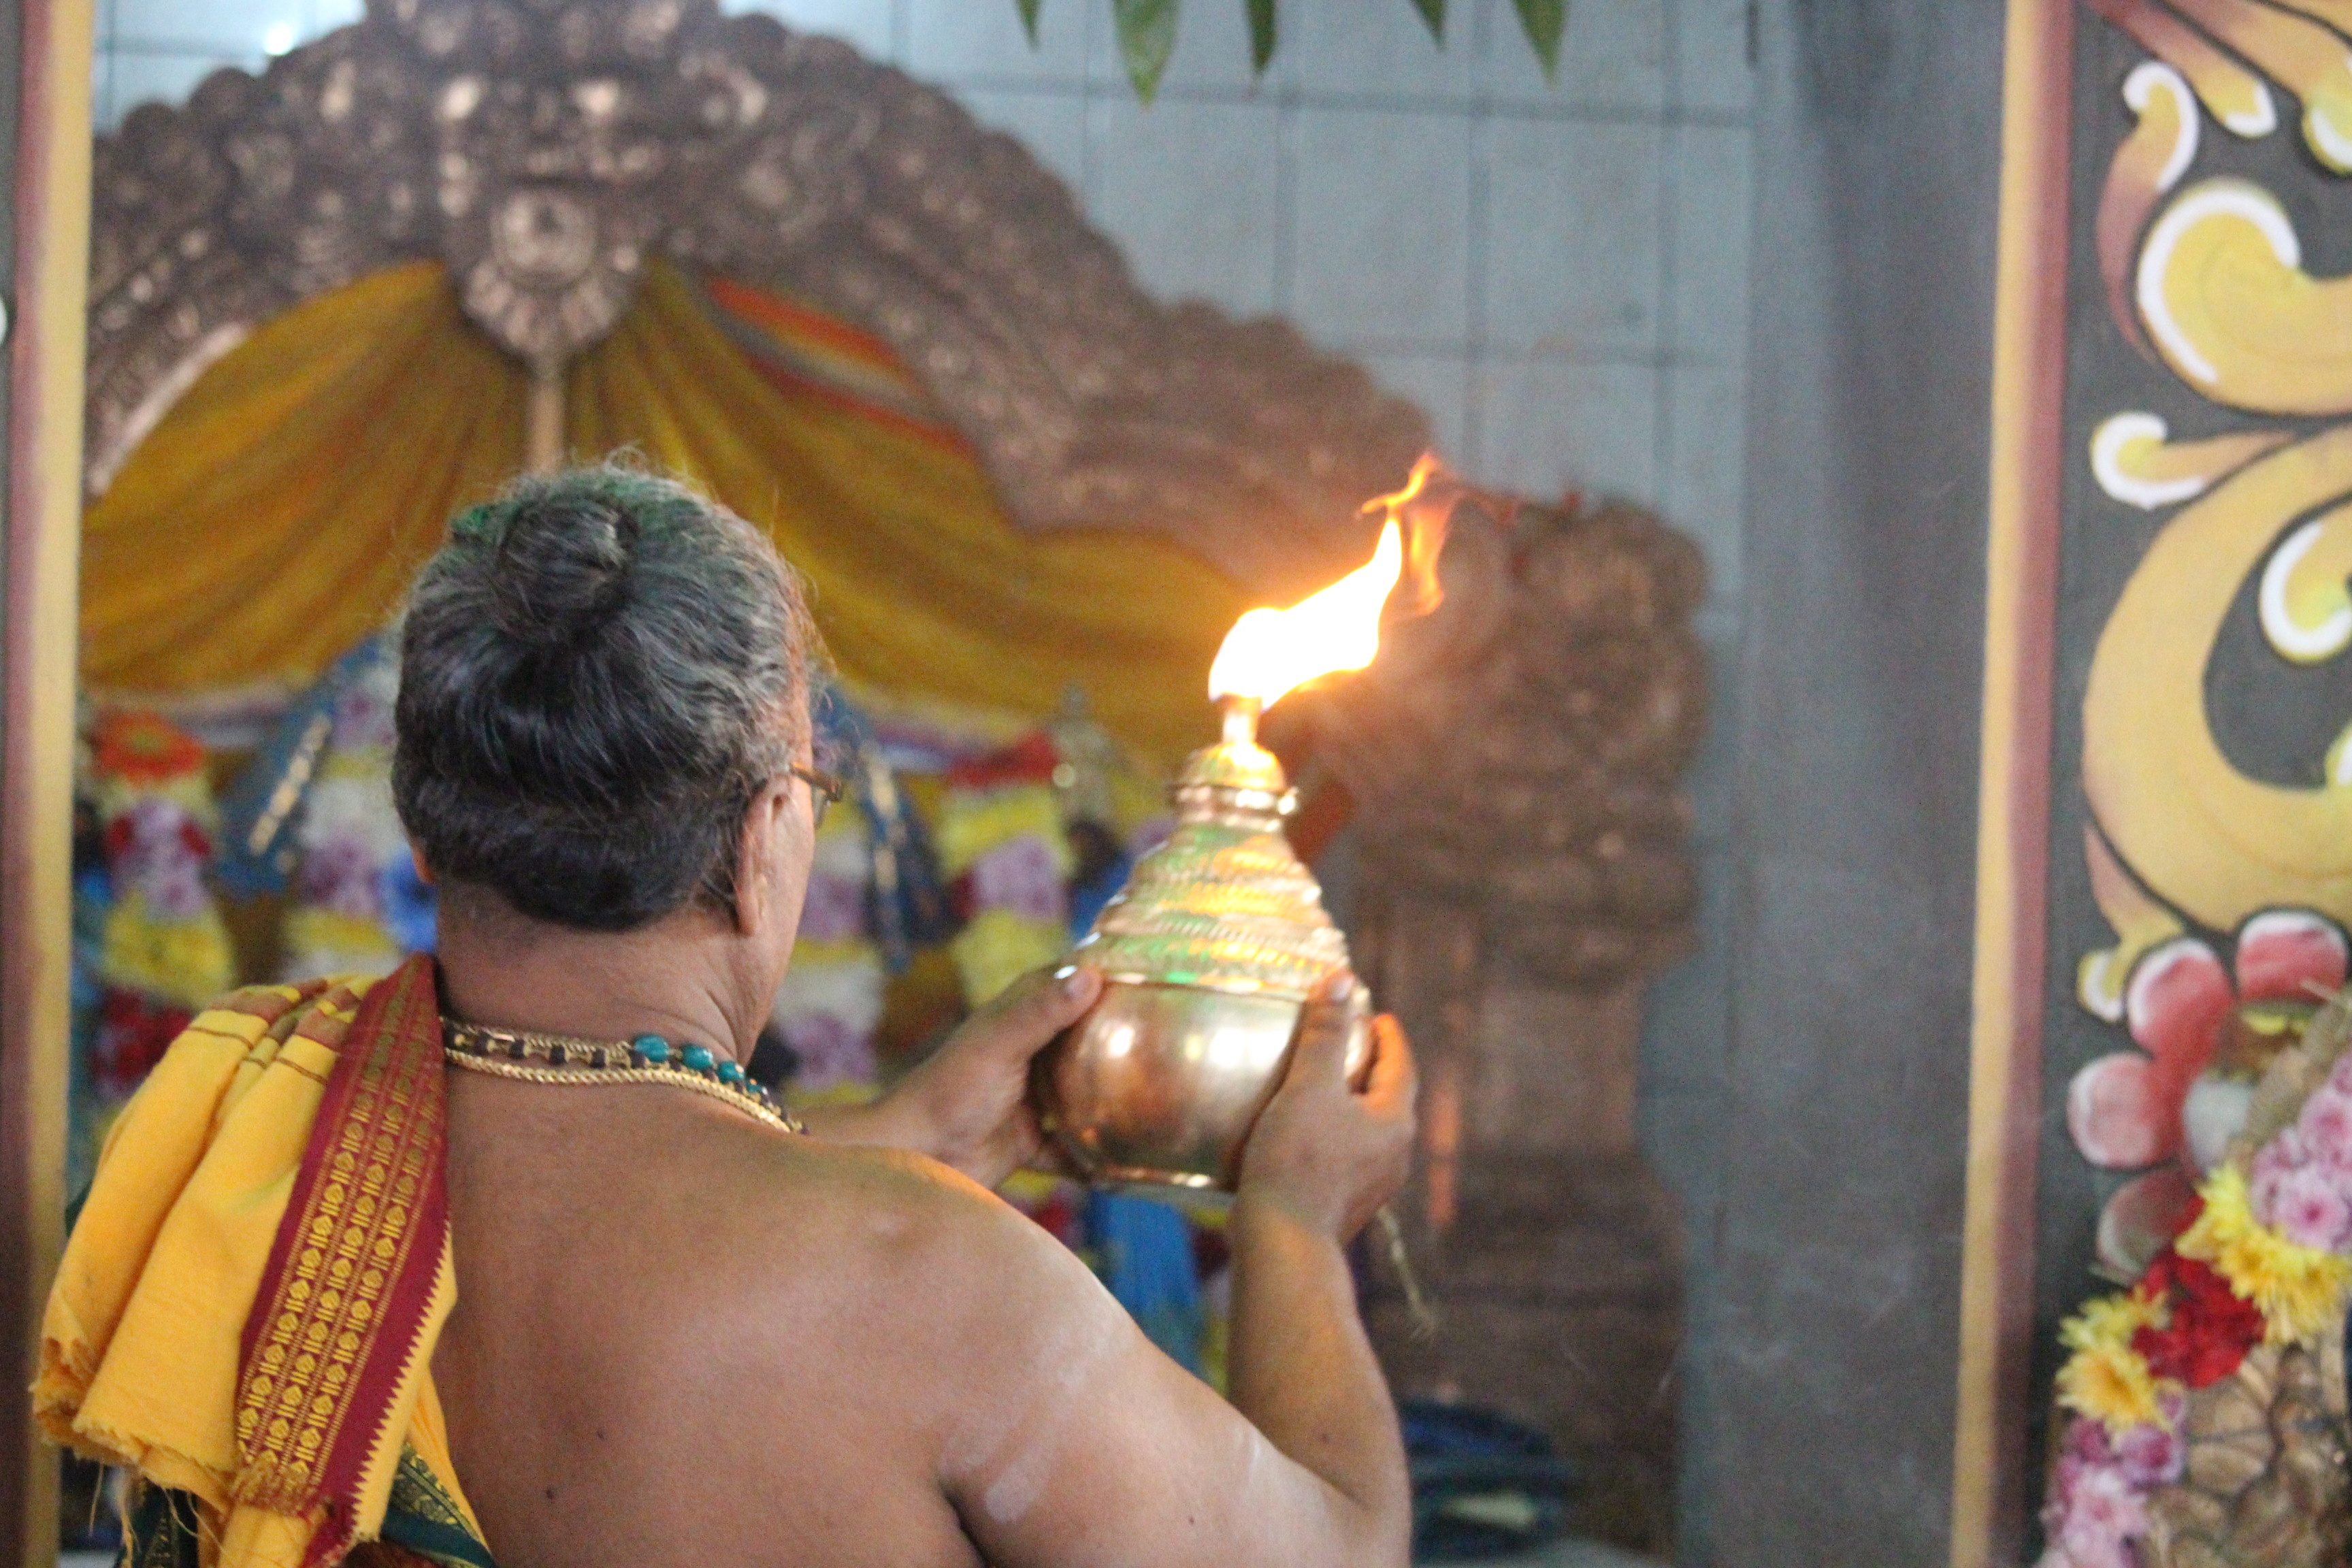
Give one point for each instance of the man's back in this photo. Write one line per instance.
(684, 1338)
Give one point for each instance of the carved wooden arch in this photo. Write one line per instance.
(544, 149)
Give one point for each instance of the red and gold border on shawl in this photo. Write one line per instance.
(351, 1270)
(267, 1005)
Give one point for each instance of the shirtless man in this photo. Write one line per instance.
(685, 1338)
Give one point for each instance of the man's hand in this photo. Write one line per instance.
(968, 1105)
(1324, 1153)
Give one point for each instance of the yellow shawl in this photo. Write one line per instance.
(249, 1302)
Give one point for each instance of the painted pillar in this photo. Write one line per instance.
(48, 263)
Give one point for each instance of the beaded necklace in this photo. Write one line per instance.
(648, 1058)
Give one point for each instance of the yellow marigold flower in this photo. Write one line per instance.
(2105, 1379)
(2110, 1383)
(2298, 1288)
(2111, 1320)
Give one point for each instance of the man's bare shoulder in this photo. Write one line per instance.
(880, 1241)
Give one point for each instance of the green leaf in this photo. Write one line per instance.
(1543, 21)
(1028, 9)
(1433, 13)
(1261, 26)
(1147, 36)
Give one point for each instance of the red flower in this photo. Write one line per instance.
(2210, 1328)
(144, 749)
(2124, 1109)
(132, 1033)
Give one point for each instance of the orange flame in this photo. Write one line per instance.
(1270, 652)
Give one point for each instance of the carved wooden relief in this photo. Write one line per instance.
(1516, 753)
(544, 150)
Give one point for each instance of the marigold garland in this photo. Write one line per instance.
(2105, 1379)
(2298, 1288)
(2109, 1382)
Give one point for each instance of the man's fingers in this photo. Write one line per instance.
(1044, 1152)
(1041, 1004)
(1323, 1026)
(1393, 1080)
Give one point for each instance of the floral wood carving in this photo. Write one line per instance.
(1515, 753)
(2263, 1484)
(544, 148)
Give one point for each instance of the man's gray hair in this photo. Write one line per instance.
(599, 672)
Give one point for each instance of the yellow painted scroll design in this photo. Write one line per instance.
(2235, 97)
(2298, 54)
(2140, 924)
(2304, 46)
(2225, 299)
(2211, 842)
(2137, 462)
(2150, 162)
(2219, 290)
(2306, 612)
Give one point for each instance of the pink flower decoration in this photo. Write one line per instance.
(158, 851)
(2103, 1512)
(2289, 955)
(362, 719)
(827, 1051)
(2124, 1109)
(835, 909)
(338, 873)
(2265, 1180)
(2307, 1205)
(2153, 1455)
(1021, 877)
(2325, 1127)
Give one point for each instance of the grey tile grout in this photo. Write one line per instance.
(1306, 98)
(1285, 201)
(1668, 325)
(1478, 250)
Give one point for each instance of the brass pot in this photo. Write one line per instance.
(1208, 954)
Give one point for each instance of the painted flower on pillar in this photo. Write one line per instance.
(2170, 1109)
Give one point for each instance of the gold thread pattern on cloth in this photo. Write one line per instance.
(302, 1377)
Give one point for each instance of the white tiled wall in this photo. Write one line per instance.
(1557, 274)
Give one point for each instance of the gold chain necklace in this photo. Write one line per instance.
(559, 1058)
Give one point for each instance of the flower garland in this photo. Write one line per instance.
(2266, 1260)
(831, 1000)
(1000, 835)
(358, 905)
(163, 950)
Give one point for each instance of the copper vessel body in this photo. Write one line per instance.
(1209, 955)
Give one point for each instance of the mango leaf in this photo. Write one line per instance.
(1543, 21)
(1433, 13)
(1147, 36)
(1261, 26)
(1028, 9)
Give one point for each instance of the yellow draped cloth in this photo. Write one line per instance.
(275, 515)
(287, 1425)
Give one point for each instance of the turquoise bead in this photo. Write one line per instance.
(650, 1047)
(697, 1057)
(729, 1072)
